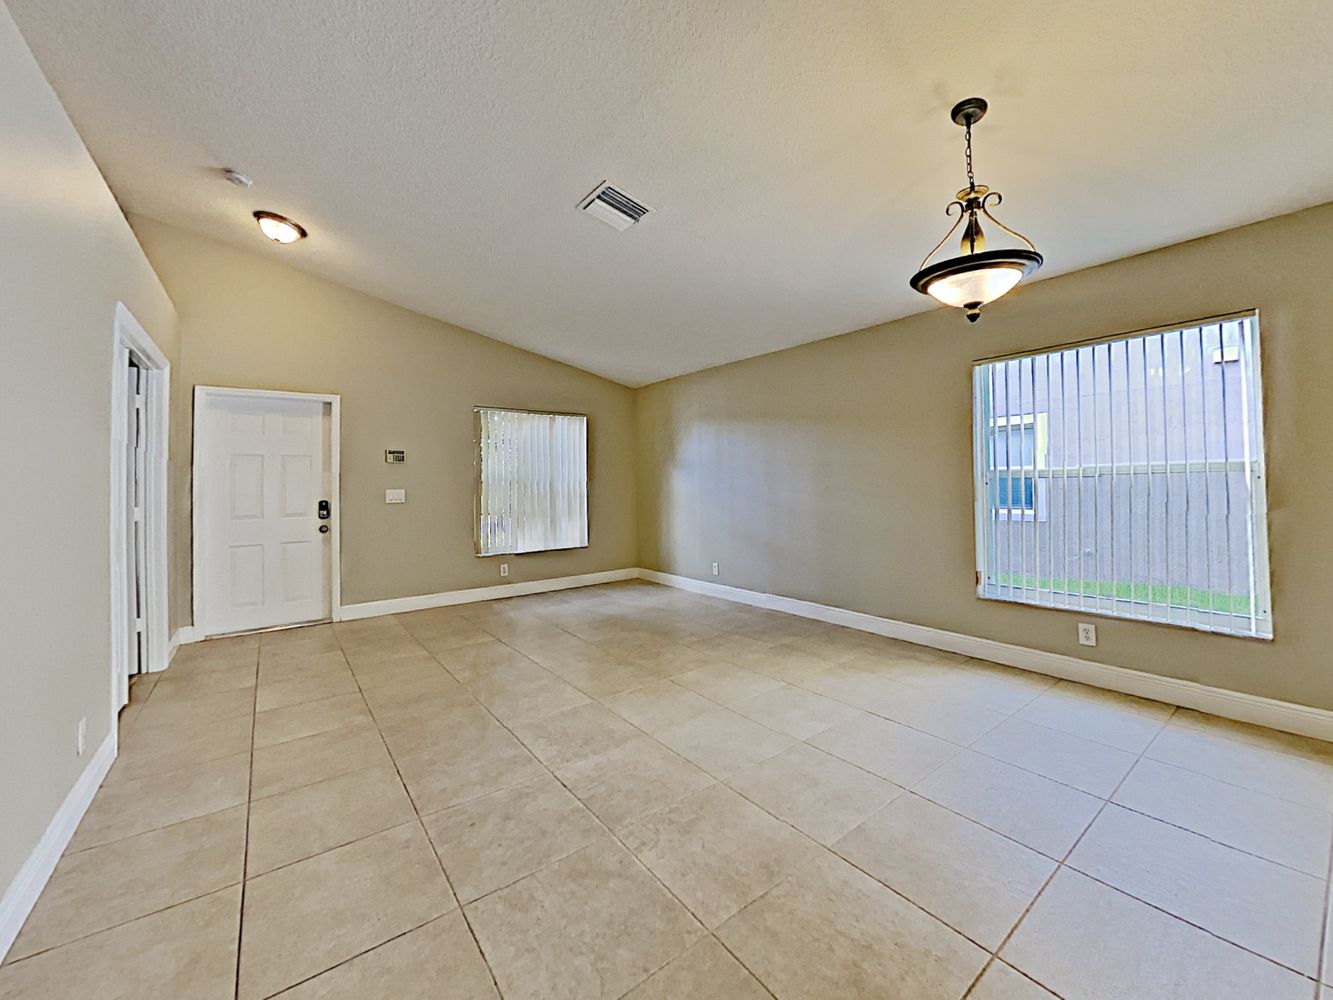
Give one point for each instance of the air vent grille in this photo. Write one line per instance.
(614, 207)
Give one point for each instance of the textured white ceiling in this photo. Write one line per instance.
(798, 155)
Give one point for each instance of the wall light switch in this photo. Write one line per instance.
(504, 569)
(1087, 634)
(81, 737)
(395, 496)
(715, 569)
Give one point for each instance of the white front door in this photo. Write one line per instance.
(264, 470)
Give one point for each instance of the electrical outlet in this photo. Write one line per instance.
(715, 569)
(504, 569)
(81, 737)
(1087, 634)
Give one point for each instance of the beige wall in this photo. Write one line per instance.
(406, 381)
(841, 471)
(66, 257)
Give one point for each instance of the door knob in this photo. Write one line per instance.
(323, 529)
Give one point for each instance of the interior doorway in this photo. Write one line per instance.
(140, 383)
(265, 518)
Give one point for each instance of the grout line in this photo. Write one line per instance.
(1061, 862)
(426, 833)
(245, 844)
(725, 782)
(1324, 929)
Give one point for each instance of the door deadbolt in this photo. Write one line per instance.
(323, 510)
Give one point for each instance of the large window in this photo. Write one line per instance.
(532, 481)
(1126, 477)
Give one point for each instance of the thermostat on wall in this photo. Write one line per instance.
(395, 457)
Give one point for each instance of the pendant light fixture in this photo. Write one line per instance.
(977, 275)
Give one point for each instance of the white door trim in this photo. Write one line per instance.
(131, 340)
(201, 395)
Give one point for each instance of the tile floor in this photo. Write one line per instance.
(629, 791)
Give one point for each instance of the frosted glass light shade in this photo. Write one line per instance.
(279, 228)
(979, 287)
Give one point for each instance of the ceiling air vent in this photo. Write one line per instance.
(613, 207)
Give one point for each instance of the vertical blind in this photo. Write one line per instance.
(532, 482)
(1126, 477)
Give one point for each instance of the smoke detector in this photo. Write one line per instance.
(614, 207)
(237, 177)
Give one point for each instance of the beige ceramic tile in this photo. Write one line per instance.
(188, 950)
(186, 709)
(633, 780)
(311, 819)
(492, 841)
(782, 664)
(994, 685)
(1306, 780)
(1256, 904)
(1085, 939)
(938, 714)
(1000, 982)
(377, 673)
(298, 641)
(1290, 834)
(706, 971)
(601, 676)
(716, 851)
(899, 753)
(658, 706)
(313, 687)
(724, 743)
(300, 762)
(467, 764)
(522, 694)
(831, 931)
(817, 793)
(415, 694)
(726, 683)
(151, 749)
(1260, 737)
(574, 734)
(309, 718)
(429, 727)
(142, 804)
(105, 886)
(438, 961)
(973, 879)
(273, 670)
(1091, 767)
(588, 927)
(794, 711)
(1118, 720)
(1038, 812)
(310, 916)
(212, 651)
(223, 677)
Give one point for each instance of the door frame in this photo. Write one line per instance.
(130, 340)
(203, 393)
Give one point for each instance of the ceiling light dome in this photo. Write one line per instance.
(977, 276)
(279, 228)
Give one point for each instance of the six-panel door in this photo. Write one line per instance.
(265, 471)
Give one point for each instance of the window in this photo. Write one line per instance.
(1018, 443)
(1126, 477)
(532, 481)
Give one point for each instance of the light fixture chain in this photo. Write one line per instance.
(971, 181)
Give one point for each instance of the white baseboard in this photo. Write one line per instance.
(182, 636)
(1283, 715)
(21, 896)
(397, 606)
